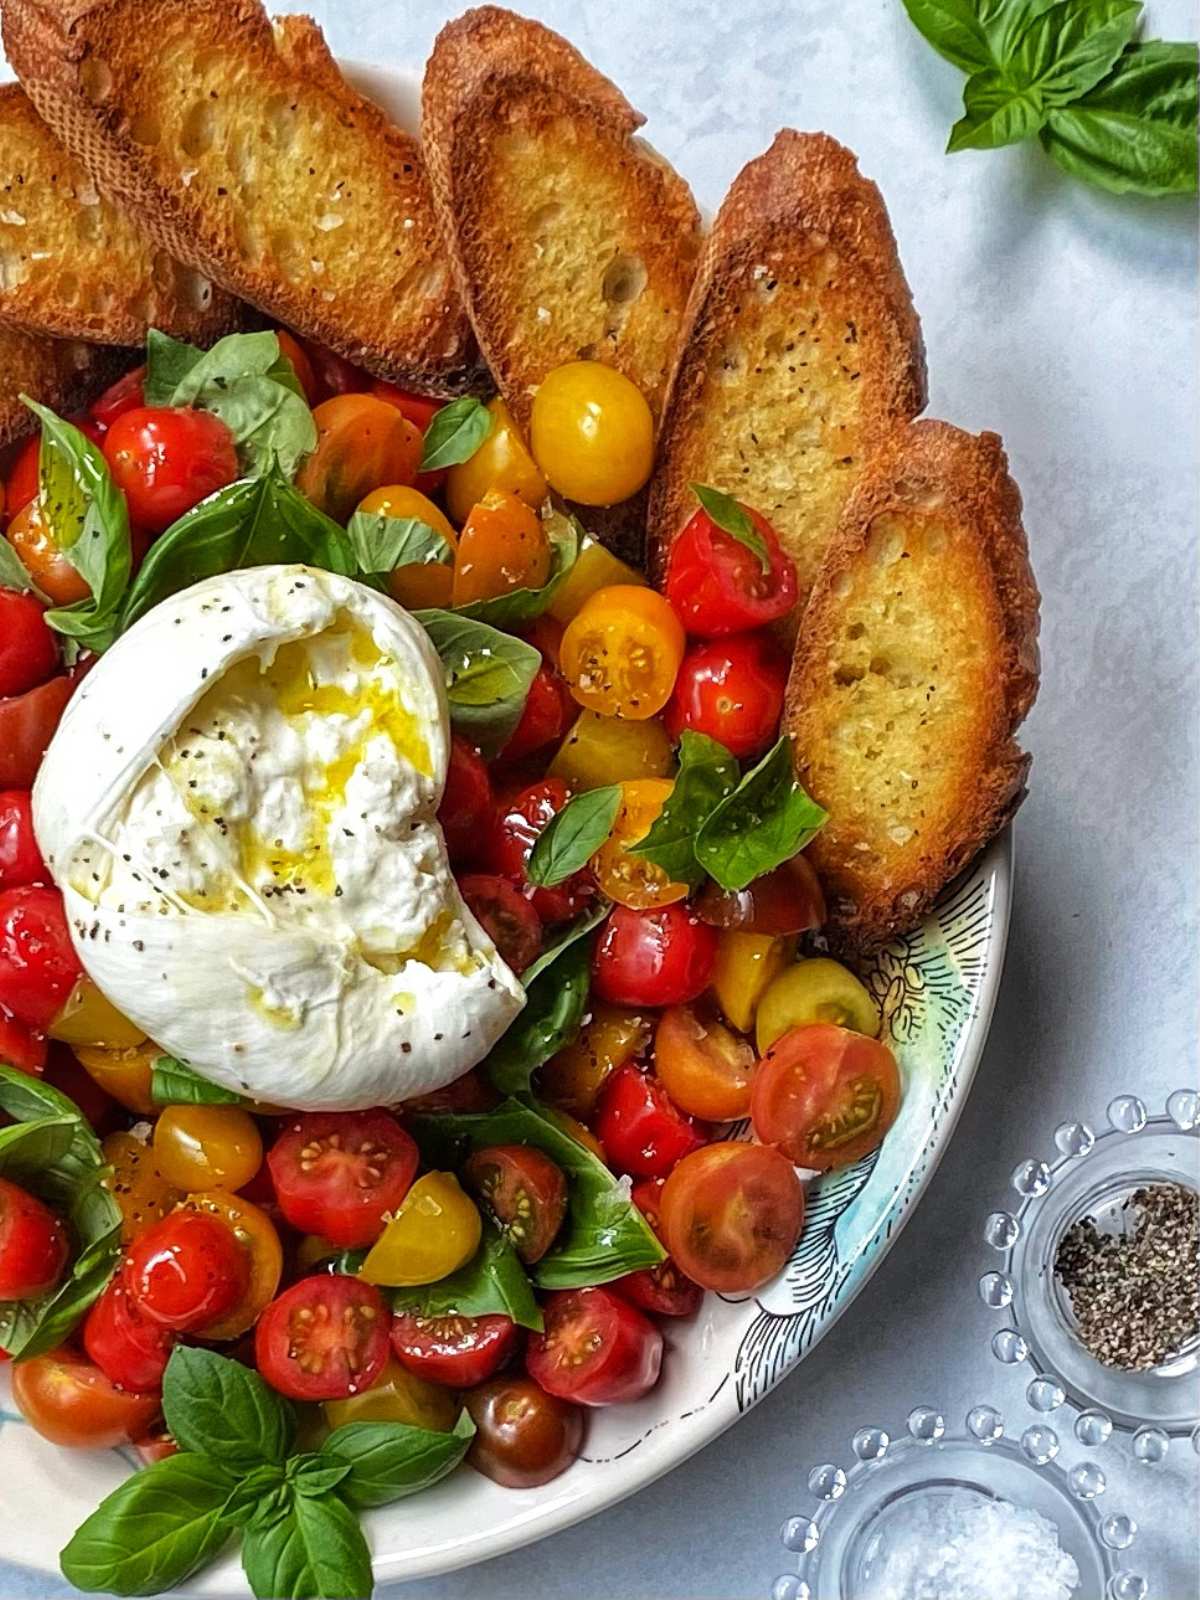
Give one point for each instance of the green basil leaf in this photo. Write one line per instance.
(315, 1551)
(707, 773)
(1135, 133)
(455, 433)
(765, 821)
(314, 1474)
(488, 674)
(954, 30)
(577, 930)
(261, 1491)
(381, 543)
(555, 1002)
(168, 362)
(997, 113)
(522, 605)
(388, 1461)
(1003, 21)
(28, 1148)
(604, 1234)
(492, 1283)
(573, 835)
(216, 1406)
(173, 1084)
(733, 518)
(1066, 50)
(153, 1531)
(251, 523)
(13, 574)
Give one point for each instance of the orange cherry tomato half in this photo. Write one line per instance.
(627, 878)
(825, 1095)
(501, 547)
(33, 539)
(69, 1401)
(704, 1066)
(622, 651)
(362, 444)
(731, 1215)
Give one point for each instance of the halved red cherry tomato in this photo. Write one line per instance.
(718, 586)
(787, 900)
(336, 1173)
(69, 1401)
(466, 802)
(704, 1066)
(186, 1272)
(293, 351)
(457, 1351)
(38, 964)
(523, 1436)
(825, 1095)
(334, 374)
(20, 1047)
(621, 652)
(515, 824)
(28, 648)
(27, 724)
(362, 444)
(596, 1349)
(130, 1349)
(124, 395)
(660, 957)
(662, 1289)
(525, 1192)
(33, 1244)
(165, 459)
(641, 1130)
(731, 1215)
(549, 711)
(732, 690)
(507, 917)
(20, 859)
(324, 1338)
(33, 537)
(23, 478)
(501, 547)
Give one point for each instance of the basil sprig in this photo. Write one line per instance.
(455, 433)
(519, 606)
(381, 544)
(707, 774)
(237, 1470)
(733, 518)
(174, 1084)
(1118, 113)
(54, 1153)
(767, 820)
(488, 674)
(573, 835)
(492, 1283)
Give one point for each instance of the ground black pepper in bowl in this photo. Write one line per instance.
(1135, 1293)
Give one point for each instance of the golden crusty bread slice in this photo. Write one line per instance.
(800, 351)
(244, 152)
(73, 265)
(916, 662)
(569, 238)
(61, 373)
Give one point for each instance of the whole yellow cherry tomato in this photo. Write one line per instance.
(255, 1232)
(142, 1193)
(126, 1074)
(621, 654)
(600, 750)
(595, 568)
(571, 1080)
(627, 878)
(501, 462)
(207, 1147)
(436, 1230)
(591, 433)
(424, 583)
(397, 1395)
(502, 547)
(362, 443)
(816, 990)
(89, 1017)
(746, 964)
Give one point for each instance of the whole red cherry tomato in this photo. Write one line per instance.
(717, 584)
(549, 711)
(336, 1173)
(466, 802)
(324, 1338)
(507, 917)
(124, 395)
(661, 957)
(38, 964)
(68, 1400)
(20, 859)
(457, 1351)
(166, 459)
(33, 1244)
(20, 1047)
(130, 1349)
(642, 1132)
(663, 1289)
(731, 689)
(27, 724)
(28, 648)
(596, 1348)
(515, 825)
(186, 1271)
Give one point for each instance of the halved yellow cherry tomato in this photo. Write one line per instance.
(595, 568)
(746, 964)
(591, 433)
(89, 1017)
(207, 1147)
(571, 1080)
(704, 1066)
(600, 750)
(397, 1395)
(501, 547)
(436, 1230)
(630, 879)
(362, 443)
(816, 990)
(501, 462)
(126, 1074)
(418, 584)
(32, 537)
(255, 1232)
(140, 1190)
(621, 654)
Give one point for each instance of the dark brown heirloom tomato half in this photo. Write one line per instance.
(525, 1192)
(524, 1436)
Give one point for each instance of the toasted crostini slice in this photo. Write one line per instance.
(61, 373)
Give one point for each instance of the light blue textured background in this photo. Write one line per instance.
(1065, 319)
